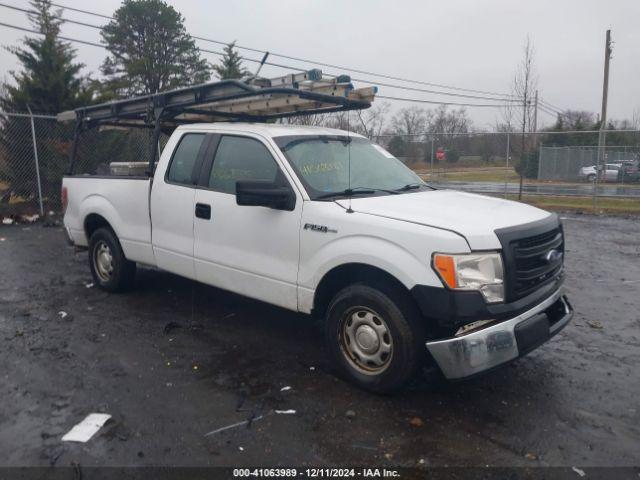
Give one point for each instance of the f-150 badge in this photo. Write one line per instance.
(319, 228)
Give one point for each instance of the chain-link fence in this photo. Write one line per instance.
(551, 163)
(578, 163)
(34, 155)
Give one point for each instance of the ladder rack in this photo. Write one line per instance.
(254, 99)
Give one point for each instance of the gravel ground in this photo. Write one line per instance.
(174, 360)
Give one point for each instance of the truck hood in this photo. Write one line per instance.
(475, 217)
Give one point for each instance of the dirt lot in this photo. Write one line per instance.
(174, 360)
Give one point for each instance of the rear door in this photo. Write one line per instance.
(172, 200)
(249, 250)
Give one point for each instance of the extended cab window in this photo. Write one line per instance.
(184, 158)
(240, 158)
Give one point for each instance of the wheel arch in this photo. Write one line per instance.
(94, 221)
(351, 273)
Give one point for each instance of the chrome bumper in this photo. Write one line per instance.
(475, 352)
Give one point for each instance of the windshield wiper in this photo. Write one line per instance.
(412, 186)
(350, 192)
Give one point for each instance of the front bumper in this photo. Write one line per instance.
(481, 350)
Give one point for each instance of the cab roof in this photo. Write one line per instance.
(268, 129)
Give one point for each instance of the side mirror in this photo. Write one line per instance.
(260, 193)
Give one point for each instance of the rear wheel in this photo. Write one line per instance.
(109, 267)
(591, 177)
(375, 337)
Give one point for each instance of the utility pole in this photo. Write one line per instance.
(535, 120)
(525, 110)
(602, 136)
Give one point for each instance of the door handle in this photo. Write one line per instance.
(203, 211)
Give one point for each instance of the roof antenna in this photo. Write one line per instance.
(255, 75)
(349, 210)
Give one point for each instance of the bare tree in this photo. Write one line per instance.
(373, 120)
(409, 126)
(410, 121)
(370, 122)
(525, 83)
(448, 128)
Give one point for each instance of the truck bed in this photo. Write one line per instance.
(123, 201)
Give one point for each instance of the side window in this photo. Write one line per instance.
(184, 158)
(240, 158)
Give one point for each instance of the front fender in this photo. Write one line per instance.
(395, 259)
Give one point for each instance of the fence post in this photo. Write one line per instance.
(506, 173)
(539, 160)
(432, 153)
(35, 153)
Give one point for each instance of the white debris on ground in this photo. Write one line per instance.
(578, 471)
(87, 428)
(7, 221)
(62, 314)
(29, 218)
(285, 389)
(89, 285)
(285, 412)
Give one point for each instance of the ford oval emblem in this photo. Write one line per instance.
(553, 256)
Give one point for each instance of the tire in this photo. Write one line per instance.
(375, 337)
(110, 269)
(591, 178)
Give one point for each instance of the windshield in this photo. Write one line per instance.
(322, 163)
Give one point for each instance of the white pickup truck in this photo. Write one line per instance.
(324, 222)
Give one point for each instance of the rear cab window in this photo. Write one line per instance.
(184, 158)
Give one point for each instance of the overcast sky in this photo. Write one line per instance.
(473, 44)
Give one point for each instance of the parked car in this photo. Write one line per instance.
(399, 272)
(629, 171)
(589, 173)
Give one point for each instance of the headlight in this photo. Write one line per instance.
(473, 271)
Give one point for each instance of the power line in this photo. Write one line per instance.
(413, 100)
(363, 80)
(552, 107)
(82, 11)
(435, 102)
(57, 17)
(68, 39)
(548, 112)
(338, 67)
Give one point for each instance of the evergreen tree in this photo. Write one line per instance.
(48, 81)
(150, 51)
(230, 66)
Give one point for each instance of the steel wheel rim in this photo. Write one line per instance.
(103, 261)
(365, 340)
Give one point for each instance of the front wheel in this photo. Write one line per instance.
(375, 337)
(109, 267)
(591, 178)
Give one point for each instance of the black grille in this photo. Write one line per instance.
(526, 250)
(532, 268)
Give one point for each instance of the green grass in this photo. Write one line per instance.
(479, 176)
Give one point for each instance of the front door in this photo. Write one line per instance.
(249, 250)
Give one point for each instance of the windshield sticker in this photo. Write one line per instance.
(320, 167)
(382, 150)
